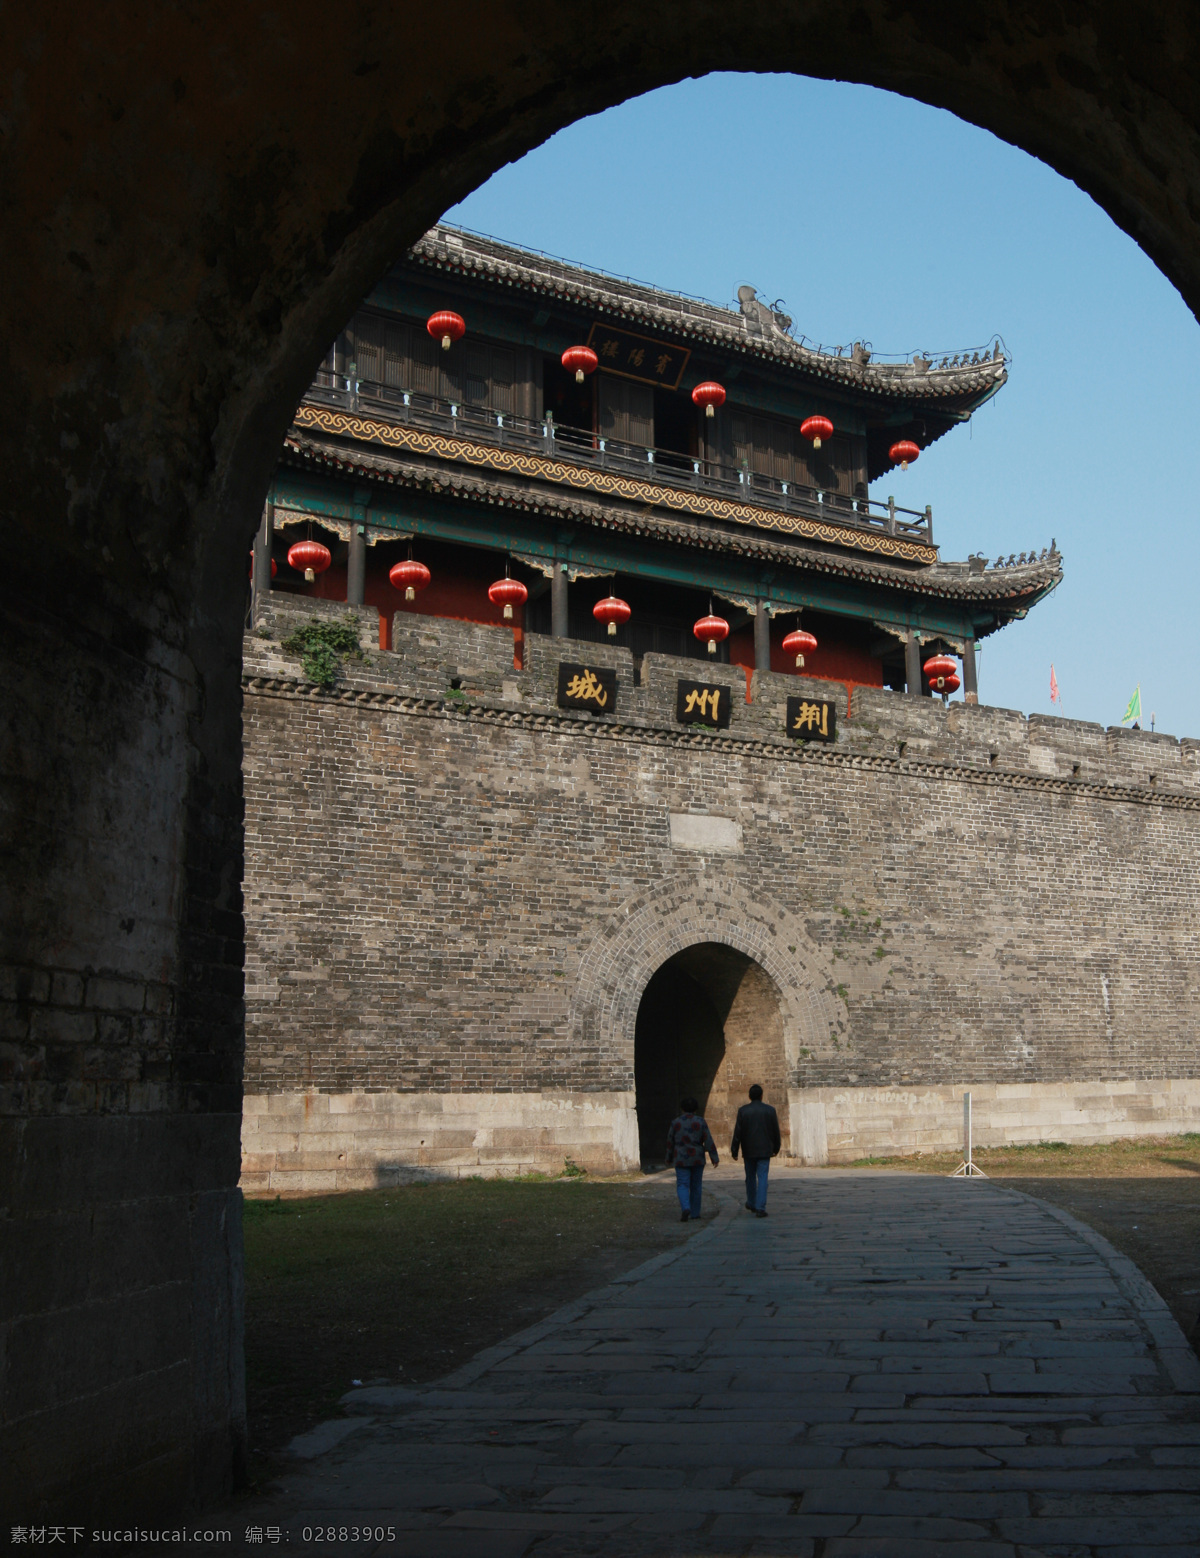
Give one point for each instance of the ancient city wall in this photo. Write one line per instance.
(456, 894)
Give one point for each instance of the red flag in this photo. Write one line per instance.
(1054, 697)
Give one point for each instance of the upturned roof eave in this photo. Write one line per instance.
(1007, 592)
(720, 329)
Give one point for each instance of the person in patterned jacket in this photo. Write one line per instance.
(688, 1139)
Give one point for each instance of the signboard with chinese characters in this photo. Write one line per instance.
(587, 687)
(698, 703)
(638, 356)
(811, 719)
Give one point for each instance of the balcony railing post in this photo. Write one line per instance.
(891, 515)
(929, 523)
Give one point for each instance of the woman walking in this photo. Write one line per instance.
(688, 1139)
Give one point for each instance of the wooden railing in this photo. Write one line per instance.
(582, 447)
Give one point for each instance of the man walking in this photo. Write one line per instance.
(688, 1139)
(757, 1134)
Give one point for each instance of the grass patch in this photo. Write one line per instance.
(1145, 1157)
(403, 1285)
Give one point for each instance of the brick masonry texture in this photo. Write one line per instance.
(463, 890)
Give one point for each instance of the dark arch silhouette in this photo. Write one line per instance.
(709, 1024)
(194, 200)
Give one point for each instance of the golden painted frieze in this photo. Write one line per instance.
(342, 424)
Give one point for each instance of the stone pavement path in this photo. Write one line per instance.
(888, 1366)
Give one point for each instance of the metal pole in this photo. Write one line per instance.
(968, 1169)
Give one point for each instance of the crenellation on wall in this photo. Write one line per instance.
(430, 654)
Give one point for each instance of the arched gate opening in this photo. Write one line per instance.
(709, 1025)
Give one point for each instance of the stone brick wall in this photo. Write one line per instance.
(457, 890)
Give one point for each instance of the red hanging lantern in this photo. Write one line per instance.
(710, 395)
(448, 325)
(612, 611)
(409, 576)
(799, 643)
(274, 569)
(905, 451)
(580, 360)
(940, 670)
(309, 558)
(816, 428)
(508, 593)
(714, 629)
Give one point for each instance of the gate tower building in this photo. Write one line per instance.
(515, 885)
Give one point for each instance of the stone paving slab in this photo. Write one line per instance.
(890, 1366)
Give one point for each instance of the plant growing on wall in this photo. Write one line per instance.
(322, 646)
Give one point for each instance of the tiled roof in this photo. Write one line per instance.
(1009, 589)
(486, 260)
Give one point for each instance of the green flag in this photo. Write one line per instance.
(1134, 711)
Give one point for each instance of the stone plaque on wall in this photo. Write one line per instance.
(700, 703)
(591, 687)
(811, 719)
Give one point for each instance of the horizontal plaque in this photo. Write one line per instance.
(587, 687)
(811, 719)
(638, 356)
(699, 703)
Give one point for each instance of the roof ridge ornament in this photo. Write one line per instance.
(761, 318)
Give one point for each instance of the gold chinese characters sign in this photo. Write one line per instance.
(638, 357)
(811, 719)
(587, 687)
(698, 703)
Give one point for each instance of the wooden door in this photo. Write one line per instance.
(626, 411)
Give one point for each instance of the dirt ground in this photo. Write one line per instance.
(401, 1286)
(1142, 1195)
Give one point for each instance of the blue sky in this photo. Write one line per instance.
(878, 218)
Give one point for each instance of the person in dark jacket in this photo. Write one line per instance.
(757, 1135)
(688, 1139)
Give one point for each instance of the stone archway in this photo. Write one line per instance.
(709, 1024)
(195, 200)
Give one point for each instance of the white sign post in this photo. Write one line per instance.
(968, 1168)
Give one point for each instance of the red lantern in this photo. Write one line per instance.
(310, 557)
(448, 325)
(580, 360)
(905, 451)
(940, 670)
(612, 611)
(816, 428)
(409, 576)
(714, 629)
(709, 395)
(274, 569)
(799, 643)
(508, 593)
(952, 685)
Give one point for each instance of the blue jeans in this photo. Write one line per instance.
(687, 1184)
(756, 1182)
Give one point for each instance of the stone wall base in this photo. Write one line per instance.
(839, 1124)
(316, 1142)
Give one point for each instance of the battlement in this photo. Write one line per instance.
(435, 658)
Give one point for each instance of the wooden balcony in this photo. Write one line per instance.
(587, 449)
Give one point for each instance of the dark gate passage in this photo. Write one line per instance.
(709, 1025)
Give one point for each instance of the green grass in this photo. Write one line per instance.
(403, 1285)
(1139, 1156)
